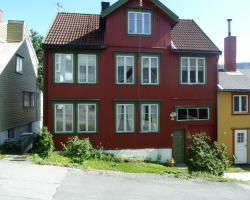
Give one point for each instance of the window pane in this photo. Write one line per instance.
(64, 68)
(184, 62)
(203, 113)
(154, 122)
(129, 74)
(145, 118)
(139, 23)
(120, 70)
(192, 62)
(147, 23)
(92, 118)
(184, 77)
(182, 114)
(201, 62)
(82, 74)
(92, 74)
(243, 103)
(59, 118)
(201, 74)
(120, 118)
(82, 113)
(131, 17)
(236, 104)
(145, 65)
(69, 117)
(192, 113)
(130, 117)
(154, 75)
(192, 74)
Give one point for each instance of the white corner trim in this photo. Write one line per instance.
(220, 87)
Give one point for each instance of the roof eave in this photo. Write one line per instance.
(197, 51)
(71, 46)
(234, 90)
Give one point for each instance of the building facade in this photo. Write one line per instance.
(19, 96)
(136, 80)
(233, 105)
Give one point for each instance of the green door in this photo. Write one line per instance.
(178, 146)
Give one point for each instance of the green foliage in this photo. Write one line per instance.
(81, 150)
(206, 158)
(11, 146)
(36, 39)
(43, 143)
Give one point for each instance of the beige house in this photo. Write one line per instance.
(19, 95)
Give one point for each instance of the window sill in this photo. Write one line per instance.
(240, 113)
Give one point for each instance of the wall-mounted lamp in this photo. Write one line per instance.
(172, 115)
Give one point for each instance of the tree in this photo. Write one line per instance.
(36, 39)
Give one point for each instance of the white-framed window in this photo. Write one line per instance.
(64, 67)
(150, 70)
(125, 69)
(192, 113)
(240, 103)
(139, 23)
(63, 121)
(125, 118)
(19, 64)
(193, 70)
(28, 99)
(149, 118)
(87, 68)
(87, 117)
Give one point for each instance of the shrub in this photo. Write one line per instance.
(206, 158)
(80, 150)
(11, 146)
(43, 143)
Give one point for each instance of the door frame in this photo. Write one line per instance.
(234, 144)
(184, 142)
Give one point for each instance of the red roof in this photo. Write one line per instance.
(82, 31)
(75, 30)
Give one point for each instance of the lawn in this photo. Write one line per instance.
(128, 167)
(1, 156)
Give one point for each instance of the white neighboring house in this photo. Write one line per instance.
(20, 98)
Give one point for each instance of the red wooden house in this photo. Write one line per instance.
(135, 79)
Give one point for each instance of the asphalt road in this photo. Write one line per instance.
(79, 185)
(21, 180)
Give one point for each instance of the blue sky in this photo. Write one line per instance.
(209, 15)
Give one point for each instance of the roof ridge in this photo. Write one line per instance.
(77, 13)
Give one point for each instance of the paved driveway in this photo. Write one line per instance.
(21, 180)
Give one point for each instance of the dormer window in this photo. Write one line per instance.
(139, 23)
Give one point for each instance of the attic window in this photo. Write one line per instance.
(139, 23)
(19, 64)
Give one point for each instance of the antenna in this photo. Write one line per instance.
(59, 5)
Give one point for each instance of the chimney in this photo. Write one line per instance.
(105, 5)
(230, 50)
(15, 31)
(1, 16)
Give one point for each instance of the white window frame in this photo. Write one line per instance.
(196, 71)
(125, 117)
(198, 108)
(87, 117)
(87, 69)
(64, 118)
(240, 104)
(59, 69)
(19, 64)
(150, 66)
(125, 70)
(149, 115)
(135, 23)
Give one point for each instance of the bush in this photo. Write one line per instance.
(80, 150)
(206, 158)
(43, 143)
(10, 146)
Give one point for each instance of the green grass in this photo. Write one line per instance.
(235, 169)
(128, 167)
(2, 156)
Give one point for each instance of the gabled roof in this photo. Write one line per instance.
(119, 3)
(75, 30)
(238, 81)
(187, 36)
